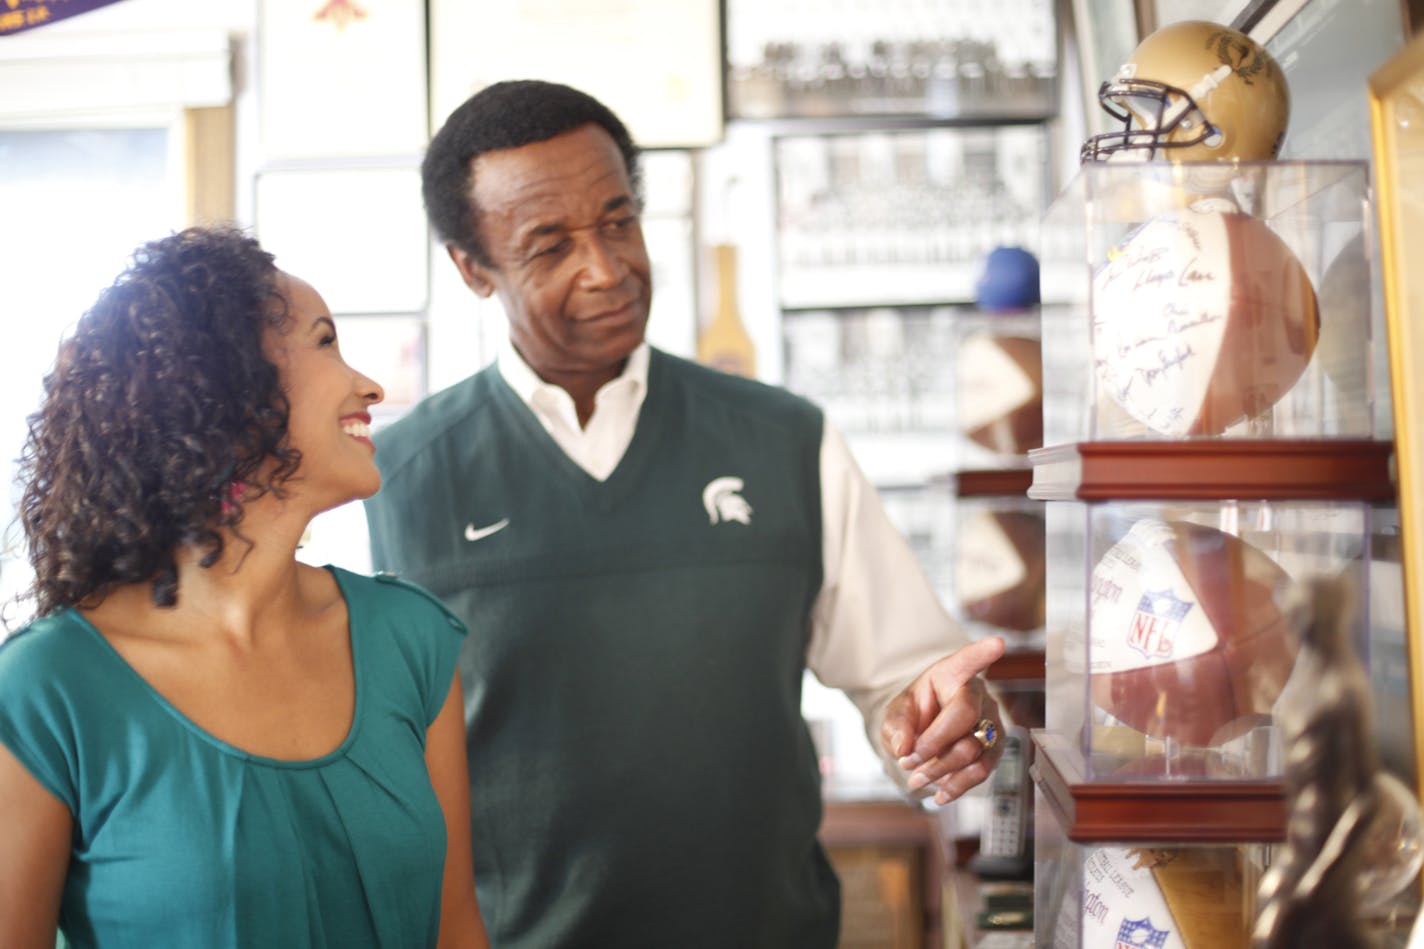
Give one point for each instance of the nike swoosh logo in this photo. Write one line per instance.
(473, 534)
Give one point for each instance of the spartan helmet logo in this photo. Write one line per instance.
(723, 503)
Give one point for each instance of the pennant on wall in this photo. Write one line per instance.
(340, 12)
(18, 15)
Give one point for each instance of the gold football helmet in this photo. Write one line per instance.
(1194, 91)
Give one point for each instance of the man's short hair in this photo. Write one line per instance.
(505, 115)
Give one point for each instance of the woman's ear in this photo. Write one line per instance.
(474, 273)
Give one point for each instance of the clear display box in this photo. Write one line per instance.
(1173, 628)
(998, 387)
(1131, 869)
(1220, 536)
(997, 585)
(1156, 895)
(1213, 301)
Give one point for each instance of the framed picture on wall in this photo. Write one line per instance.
(341, 77)
(658, 65)
(1396, 92)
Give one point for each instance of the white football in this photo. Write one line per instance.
(1122, 904)
(1202, 317)
(999, 569)
(1164, 898)
(1186, 631)
(1000, 392)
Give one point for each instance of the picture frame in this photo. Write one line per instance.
(1396, 97)
(320, 96)
(673, 99)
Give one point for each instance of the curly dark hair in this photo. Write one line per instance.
(158, 403)
(505, 115)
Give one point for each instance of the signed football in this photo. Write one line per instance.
(1202, 317)
(1186, 632)
(999, 568)
(1165, 898)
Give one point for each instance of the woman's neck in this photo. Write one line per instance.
(256, 588)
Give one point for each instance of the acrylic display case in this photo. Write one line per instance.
(1148, 894)
(1215, 301)
(1215, 495)
(1171, 639)
(998, 382)
(997, 584)
(1118, 870)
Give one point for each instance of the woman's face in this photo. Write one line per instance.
(329, 402)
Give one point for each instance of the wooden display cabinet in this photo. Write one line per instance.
(889, 857)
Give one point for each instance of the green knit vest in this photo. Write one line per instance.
(640, 772)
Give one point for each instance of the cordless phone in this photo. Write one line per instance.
(1003, 842)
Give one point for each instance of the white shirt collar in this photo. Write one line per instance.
(599, 446)
(526, 382)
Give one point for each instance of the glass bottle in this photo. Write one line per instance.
(725, 344)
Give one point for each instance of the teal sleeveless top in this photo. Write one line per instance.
(641, 776)
(183, 840)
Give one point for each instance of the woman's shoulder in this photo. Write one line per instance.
(409, 640)
(50, 697)
(385, 595)
(42, 647)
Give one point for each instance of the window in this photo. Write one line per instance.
(77, 202)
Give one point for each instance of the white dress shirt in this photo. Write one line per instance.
(876, 623)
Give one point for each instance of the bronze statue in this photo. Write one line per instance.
(1310, 894)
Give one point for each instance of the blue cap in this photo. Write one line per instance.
(1009, 280)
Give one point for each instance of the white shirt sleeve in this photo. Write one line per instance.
(877, 622)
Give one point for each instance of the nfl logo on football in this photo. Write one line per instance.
(1153, 630)
(1141, 934)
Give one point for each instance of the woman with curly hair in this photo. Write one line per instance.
(203, 741)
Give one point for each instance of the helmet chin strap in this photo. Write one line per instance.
(1194, 95)
(1209, 82)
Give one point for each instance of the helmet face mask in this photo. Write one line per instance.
(1194, 91)
(1154, 115)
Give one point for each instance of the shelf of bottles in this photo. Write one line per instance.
(943, 58)
(902, 217)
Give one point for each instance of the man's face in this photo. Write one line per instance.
(560, 222)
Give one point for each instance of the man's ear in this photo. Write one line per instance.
(474, 273)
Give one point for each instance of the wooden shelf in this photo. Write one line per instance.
(1018, 664)
(1295, 469)
(1195, 812)
(996, 482)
